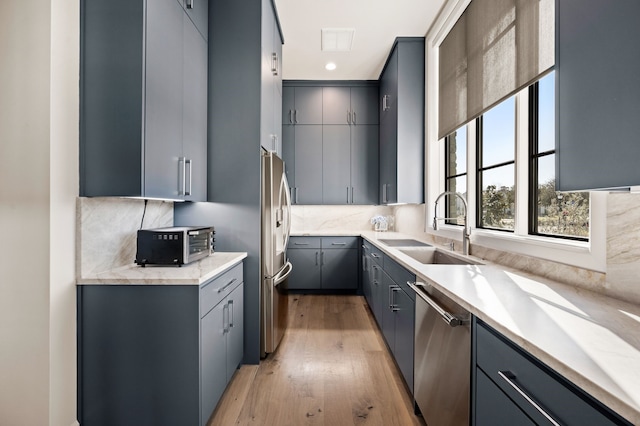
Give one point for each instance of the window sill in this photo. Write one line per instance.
(580, 254)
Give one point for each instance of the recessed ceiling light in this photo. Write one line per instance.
(330, 66)
(337, 39)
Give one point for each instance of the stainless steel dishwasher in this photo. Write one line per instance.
(442, 358)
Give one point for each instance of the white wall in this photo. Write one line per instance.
(38, 187)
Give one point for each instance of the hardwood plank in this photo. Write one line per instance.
(331, 368)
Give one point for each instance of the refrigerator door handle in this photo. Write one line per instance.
(287, 209)
(282, 274)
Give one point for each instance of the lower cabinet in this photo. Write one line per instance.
(323, 263)
(510, 386)
(384, 284)
(157, 354)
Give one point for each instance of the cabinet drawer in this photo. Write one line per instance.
(377, 255)
(399, 275)
(304, 242)
(517, 374)
(339, 242)
(218, 288)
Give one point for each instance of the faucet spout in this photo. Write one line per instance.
(466, 232)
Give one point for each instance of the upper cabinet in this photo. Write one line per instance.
(350, 105)
(143, 107)
(401, 103)
(330, 139)
(598, 95)
(271, 88)
(302, 105)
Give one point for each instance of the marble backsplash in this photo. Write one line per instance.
(106, 230)
(338, 219)
(623, 245)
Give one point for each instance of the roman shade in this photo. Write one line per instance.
(496, 48)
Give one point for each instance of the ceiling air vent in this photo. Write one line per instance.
(337, 39)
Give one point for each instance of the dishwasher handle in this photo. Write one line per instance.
(447, 317)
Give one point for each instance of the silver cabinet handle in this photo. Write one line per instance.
(274, 63)
(188, 162)
(225, 313)
(338, 244)
(384, 192)
(354, 117)
(375, 255)
(321, 258)
(290, 116)
(295, 116)
(385, 103)
(316, 258)
(394, 306)
(447, 317)
(301, 244)
(220, 290)
(347, 195)
(352, 195)
(509, 377)
(190, 4)
(231, 321)
(296, 195)
(183, 172)
(348, 117)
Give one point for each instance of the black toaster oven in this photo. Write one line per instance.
(177, 245)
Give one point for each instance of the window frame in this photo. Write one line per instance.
(449, 177)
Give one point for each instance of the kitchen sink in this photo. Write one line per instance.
(436, 256)
(403, 242)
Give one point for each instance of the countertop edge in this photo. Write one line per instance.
(196, 273)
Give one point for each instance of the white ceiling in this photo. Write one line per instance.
(377, 23)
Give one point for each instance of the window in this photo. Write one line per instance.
(496, 152)
(553, 213)
(456, 174)
(498, 167)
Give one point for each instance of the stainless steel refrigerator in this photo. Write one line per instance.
(275, 267)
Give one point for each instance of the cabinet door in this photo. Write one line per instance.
(163, 101)
(235, 326)
(493, 407)
(194, 112)
(305, 274)
(367, 289)
(288, 104)
(308, 105)
(389, 88)
(364, 105)
(597, 68)
(336, 164)
(339, 269)
(308, 164)
(388, 155)
(198, 12)
(336, 105)
(364, 164)
(404, 334)
(388, 315)
(377, 291)
(289, 155)
(213, 358)
(267, 90)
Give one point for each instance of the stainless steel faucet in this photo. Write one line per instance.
(466, 232)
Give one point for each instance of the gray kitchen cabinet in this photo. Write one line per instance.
(350, 105)
(289, 155)
(510, 386)
(402, 123)
(336, 164)
(158, 354)
(301, 105)
(365, 275)
(308, 164)
(597, 94)
(142, 118)
(343, 168)
(323, 263)
(364, 164)
(271, 87)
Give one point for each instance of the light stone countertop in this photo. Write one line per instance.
(591, 339)
(195, 273)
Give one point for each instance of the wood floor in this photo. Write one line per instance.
(331, 368)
